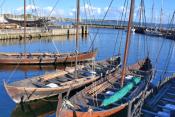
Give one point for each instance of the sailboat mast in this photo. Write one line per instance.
(25, 25)
(77, 34)
(161, 13)
(127, 41)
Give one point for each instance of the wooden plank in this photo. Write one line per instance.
(149, 112)
(171, 94)
(169, 100)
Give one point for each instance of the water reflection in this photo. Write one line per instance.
(39, 108)
(27, 68)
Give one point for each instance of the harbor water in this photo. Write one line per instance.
(108, 42)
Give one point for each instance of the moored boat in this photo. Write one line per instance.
(114, 92)
(44, 58)
(57, 82)
(105, 97)
(40, 22)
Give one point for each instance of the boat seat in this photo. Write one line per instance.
(63, 79)
(169, 100)
(39, 84)
(69, 75)
(93, 98)
(54, 81)
(96, 108)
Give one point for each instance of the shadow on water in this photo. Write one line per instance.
(26, 68)
(36, 108)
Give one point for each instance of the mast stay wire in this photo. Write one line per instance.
(35, 8)
(119, 33)
(89, 11)
(2, 3)
(142, 11)
(101, 23)
(168, 59)
(162, 44)
(56, 3)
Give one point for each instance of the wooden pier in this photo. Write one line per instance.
(33, 32)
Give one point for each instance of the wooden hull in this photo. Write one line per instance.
(30, 23)
(106, 113)
(25, 94)
(40, 86)
(41, 58)
(88, 102)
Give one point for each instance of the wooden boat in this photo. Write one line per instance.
(105, 97)
(108, 96)
(153, 32)
(40, 22)
(161, 101)
(44, 58)
(58, 82)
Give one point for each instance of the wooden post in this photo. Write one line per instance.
(59, 105)
(25, 25)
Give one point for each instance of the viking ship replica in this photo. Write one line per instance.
(43, 58)
(111, 94)
(58, 82)
(161, 101)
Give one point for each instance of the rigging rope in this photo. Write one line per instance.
(162, 44)
(101, 23)
(35, 9)
(2, 3)
(53, 8)
(55, 46)
(86, 15)
(122, 24)
(168, 59)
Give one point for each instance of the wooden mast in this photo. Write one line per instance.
(127, 41)
(77, 34)
(24, 25)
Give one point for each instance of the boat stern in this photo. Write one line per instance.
(12, 92)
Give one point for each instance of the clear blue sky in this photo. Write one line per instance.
(97, 8)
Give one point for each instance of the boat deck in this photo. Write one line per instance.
(62, 78)
(91, 98)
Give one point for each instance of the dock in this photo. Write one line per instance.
(168, 33)
(36, 32)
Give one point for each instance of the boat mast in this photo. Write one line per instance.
(127, 41)
(161, 13)
(77, 34)
(25, 25)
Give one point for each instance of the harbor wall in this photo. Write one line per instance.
(40, 32)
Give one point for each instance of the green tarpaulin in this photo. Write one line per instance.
(122, 92)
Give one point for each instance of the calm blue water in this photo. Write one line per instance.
(105, 43)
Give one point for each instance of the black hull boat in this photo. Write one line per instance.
(40, 22)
